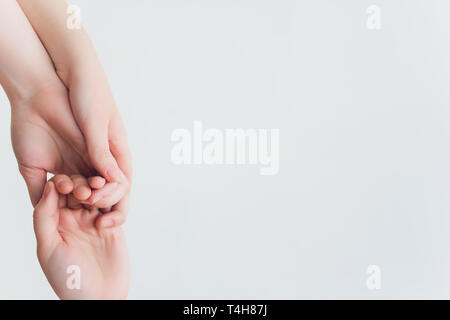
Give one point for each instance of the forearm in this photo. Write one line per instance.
(71, 50)
(25, 66)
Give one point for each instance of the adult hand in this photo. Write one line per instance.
(93, 107)
(96, 115)
(46, 138)
(69, 241)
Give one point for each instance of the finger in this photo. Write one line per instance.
(35, 180)
(73, 203)
(118, 145)
(106, 210)
(96, 182)
(115, 218)
(46, 218)
(62, 201)
(81, 188)
(100, 155)
(63, 183)
(109, 195)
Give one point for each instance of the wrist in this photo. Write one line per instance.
(89, 87)
(86, 72)
(27, 94)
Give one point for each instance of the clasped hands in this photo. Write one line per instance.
(64, 122)
(78, 216)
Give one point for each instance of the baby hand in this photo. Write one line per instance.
(91, 193)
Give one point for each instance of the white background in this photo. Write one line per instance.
(364, 121)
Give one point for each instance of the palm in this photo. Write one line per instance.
(101, 256)
(45, 138)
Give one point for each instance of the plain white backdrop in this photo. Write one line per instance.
(364, 119)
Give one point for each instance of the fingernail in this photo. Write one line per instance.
(107, 223)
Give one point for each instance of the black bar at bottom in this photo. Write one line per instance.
(226, 309)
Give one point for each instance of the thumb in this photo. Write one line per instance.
(101, 157)
(35, 179)
(46, 217)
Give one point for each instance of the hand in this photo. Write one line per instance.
(67, 235)
(46, 138)
(77, 65)
(96, 114)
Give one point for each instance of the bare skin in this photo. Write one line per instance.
(56, 128)
(93, 106)
(67, 235)
(70, 127)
